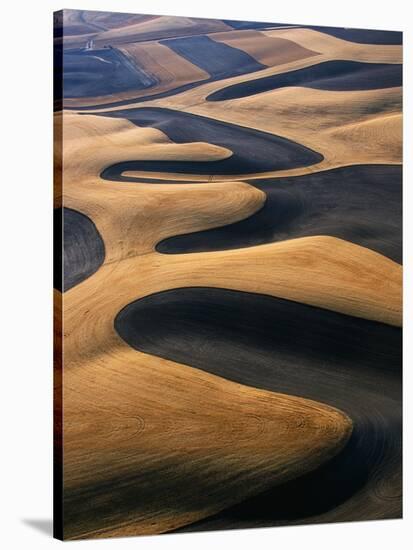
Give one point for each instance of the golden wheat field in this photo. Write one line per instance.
(228, 278)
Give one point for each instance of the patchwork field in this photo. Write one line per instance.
(228, 289)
